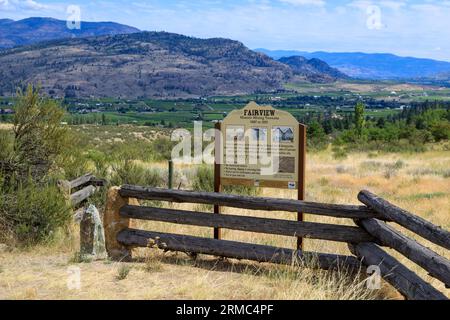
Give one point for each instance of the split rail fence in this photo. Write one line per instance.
(80, 189)
(365, 240)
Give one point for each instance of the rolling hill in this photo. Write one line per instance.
(146, 64)
(377, 66)
(314, 70)
(34, 30)
(105, 59)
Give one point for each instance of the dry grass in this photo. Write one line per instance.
(6, 126)
(417, 182)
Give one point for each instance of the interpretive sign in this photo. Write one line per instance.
(260, 146)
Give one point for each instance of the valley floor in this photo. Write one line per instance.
(417, 182)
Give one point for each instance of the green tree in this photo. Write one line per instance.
(38, 137)
(32, 208)
(440, 130)
(317, 137)
(359, 118)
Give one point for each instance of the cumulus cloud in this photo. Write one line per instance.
(31, 4)
(12, 5)
(4, 4)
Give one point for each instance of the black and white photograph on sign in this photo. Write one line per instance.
(235, 133)
(287, 165)
(259, 134)
(283, 134)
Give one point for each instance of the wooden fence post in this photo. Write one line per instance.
(170, 176)
(114, 224)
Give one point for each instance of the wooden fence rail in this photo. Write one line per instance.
(364, 240)
(420, 226)
(254, 203)
(234, 249)
(437, 266)
(80, 189)
(242, 223)
(404, 280)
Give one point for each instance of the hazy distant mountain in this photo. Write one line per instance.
(372, 66)
(145, 64)
(33, 30)
(314, 70)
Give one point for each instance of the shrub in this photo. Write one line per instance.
(162, 149)
(73, 162)
(317, 138)
(38, 137)
(100, 162)
(129, 172)
(31, 213)
(204, 181)
(123, 272)
(339, 153)
(441, 130)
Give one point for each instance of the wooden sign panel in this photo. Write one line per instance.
(263, 147)
(260, 147)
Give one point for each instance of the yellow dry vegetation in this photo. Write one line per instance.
(419, 183)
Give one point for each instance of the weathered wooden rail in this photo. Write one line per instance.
(365, 239)
(81, 188)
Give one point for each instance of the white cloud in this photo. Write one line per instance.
(388, 4)
(318, 3)
(31, 4)
(16, 5)
(5, 5)
(393, 5)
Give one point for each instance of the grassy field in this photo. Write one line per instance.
(417, 182)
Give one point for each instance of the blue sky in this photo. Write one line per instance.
(403, 27)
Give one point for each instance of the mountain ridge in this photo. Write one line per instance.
(145, 64)
(377, 66)
(315, 70)
(38, 29)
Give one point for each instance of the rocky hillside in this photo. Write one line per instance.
(313, 70)
(34, 30)
(145, 64)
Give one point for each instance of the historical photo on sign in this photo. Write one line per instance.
(283, 134)
(235, 133)
(259, 134)
(287, 165)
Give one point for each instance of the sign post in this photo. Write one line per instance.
(301, 174)
(217, 165)
(260, 146)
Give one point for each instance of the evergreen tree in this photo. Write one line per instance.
(359, 118)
